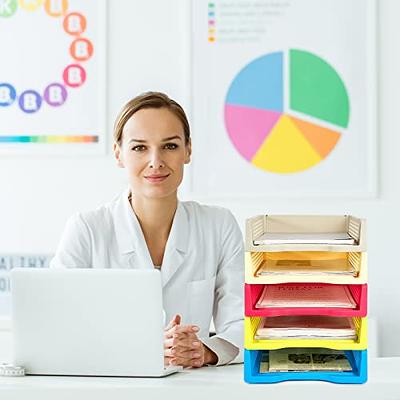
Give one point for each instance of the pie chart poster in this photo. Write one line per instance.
(283, 98)
(52, 76)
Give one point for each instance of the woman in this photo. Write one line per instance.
(198, 249)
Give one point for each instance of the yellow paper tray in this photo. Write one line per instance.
(251, 325)
(254, 262)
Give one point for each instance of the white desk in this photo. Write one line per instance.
(206, 384)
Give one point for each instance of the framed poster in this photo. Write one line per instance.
(52, 77)
(284, 98)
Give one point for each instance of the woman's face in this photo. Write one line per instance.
(154, 152)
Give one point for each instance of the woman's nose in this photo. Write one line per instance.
(156, 160)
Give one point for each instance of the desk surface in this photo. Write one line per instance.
(224, 382)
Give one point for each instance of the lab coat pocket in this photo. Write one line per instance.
(201, 300)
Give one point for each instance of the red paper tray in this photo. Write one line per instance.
(253, 292)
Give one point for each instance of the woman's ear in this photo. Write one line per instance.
(188, 151)
(118, 156)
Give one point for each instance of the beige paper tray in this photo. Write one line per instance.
(291, 224)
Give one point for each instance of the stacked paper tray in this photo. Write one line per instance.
(255, 261)
(253, 292)
(290, 225)
(305, 250)
(251, 325)
(357, 359)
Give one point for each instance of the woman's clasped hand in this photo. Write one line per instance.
(183, 347)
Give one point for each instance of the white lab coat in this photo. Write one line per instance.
(202, 271)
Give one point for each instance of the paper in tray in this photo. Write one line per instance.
(306, 263)
(306, 327)
(305, 238)
(306, 359)
(306, 295)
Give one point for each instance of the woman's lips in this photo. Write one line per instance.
(156, 178)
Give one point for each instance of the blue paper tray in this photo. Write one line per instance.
(357, 359)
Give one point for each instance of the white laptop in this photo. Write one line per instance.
(101, 322)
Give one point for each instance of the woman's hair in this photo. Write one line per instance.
(149, 100)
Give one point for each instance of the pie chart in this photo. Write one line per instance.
(286, 111)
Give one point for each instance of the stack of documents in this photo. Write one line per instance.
(302, 360)
(306, 295)
(305, 238)
(306, 327)
(306, 263)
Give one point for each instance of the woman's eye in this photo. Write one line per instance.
(171, 146)
(138, 148)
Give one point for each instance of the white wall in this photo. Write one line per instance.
(147, 50)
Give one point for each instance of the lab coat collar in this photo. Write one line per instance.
(127, 227)
(177, 244)
(130, 237)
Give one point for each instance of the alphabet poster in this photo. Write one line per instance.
(52, 77)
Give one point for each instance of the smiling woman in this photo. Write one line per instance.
(153, 147)
(198, 249)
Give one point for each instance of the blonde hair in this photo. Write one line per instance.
(149, 100)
